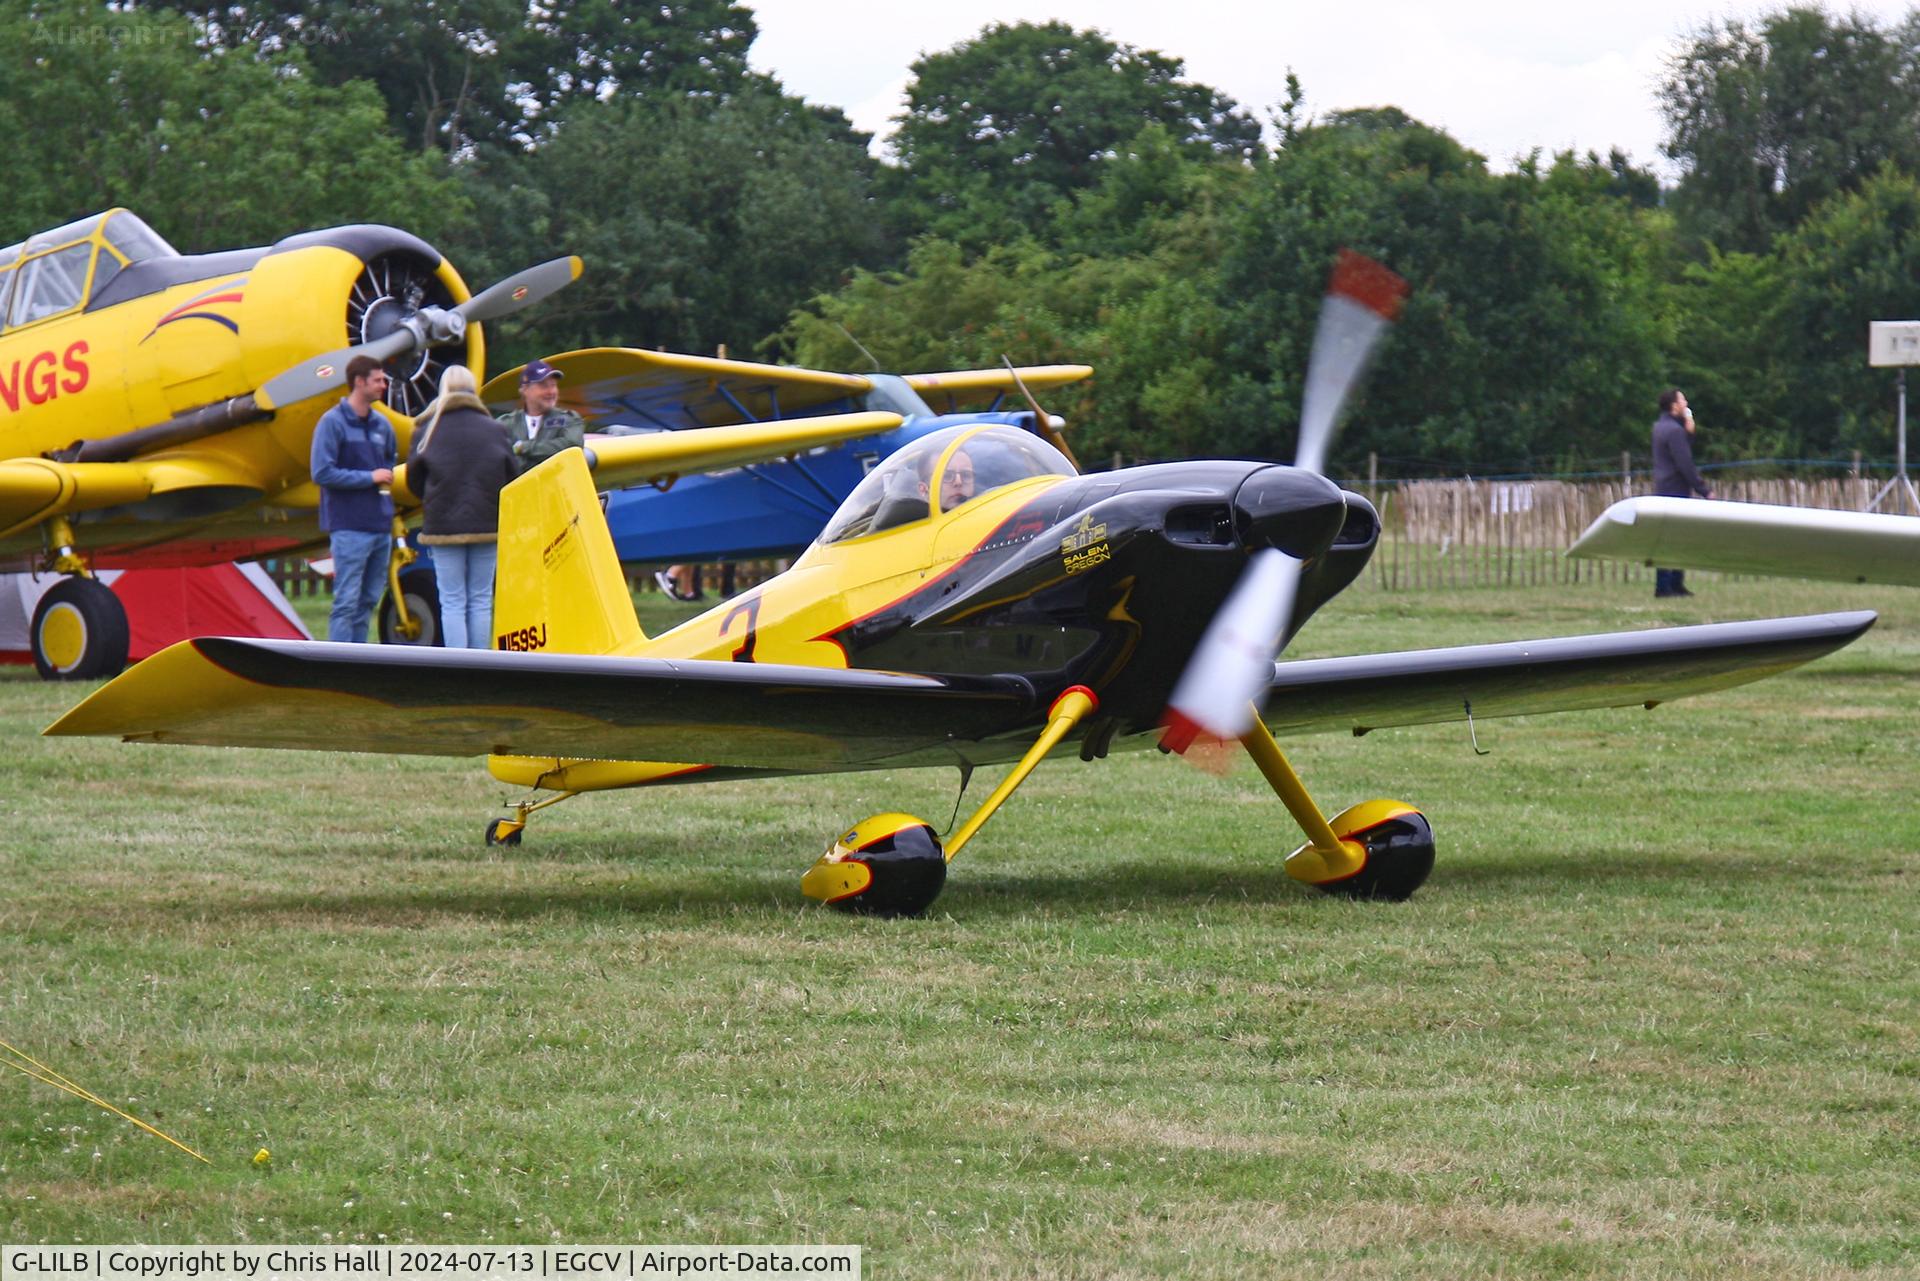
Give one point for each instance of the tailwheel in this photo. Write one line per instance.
(887, 865)
(79, 631)
(505, 831)
(1395, 843)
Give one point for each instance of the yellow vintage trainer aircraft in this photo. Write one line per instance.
(974, 601)
(157, 409)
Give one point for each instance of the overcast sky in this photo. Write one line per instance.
(1502, 76)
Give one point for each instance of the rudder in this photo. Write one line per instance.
(560, 587)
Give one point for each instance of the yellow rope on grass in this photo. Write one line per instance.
(41, 1072)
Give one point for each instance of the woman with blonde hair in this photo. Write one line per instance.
(461, 461)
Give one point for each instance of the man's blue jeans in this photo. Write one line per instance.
(359, 576)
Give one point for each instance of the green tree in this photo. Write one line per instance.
(1533, 329)
(1855, 260)
(495, 72)
(1125, 286)
(215, 150)
(1001, 130)
(1767, 122)
(946, 310)
(702, 222)
(1729, 354)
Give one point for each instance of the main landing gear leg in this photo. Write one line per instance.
(404, 613)
(892, 864)
(506, 831)
(1376, 849)
(79, 629)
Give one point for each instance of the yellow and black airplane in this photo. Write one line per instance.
(158, 409)
(974, 601)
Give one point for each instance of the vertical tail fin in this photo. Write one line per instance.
(560, 587)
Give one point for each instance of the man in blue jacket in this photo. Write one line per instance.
(353, 458)
(1674, 475)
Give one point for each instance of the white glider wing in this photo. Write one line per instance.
(1756, 538)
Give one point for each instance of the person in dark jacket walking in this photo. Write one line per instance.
(1674, 475)
(352, 462)
(461, 461)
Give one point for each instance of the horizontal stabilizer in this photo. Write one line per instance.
(1757, 538)
(1567, 673)
(436, 702)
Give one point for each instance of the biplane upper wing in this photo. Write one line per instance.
(619, 461)
(1567, 673)
(1758, 538)
(671, 391)
(966, 388)
(258, 693)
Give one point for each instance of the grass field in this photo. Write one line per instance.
(1656, 1013)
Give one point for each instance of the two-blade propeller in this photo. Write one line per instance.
(427, 327)
(1225, 681)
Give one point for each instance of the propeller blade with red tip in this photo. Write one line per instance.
(1363, 298)
(1226, 680)
(1233, 664)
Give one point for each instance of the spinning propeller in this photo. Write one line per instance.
(427, 327)
(1226, 679)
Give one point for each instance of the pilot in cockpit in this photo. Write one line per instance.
(956, 482)
(901, 489)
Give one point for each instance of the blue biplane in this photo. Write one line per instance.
(769, 509)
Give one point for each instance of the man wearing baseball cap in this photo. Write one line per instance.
(539, 429)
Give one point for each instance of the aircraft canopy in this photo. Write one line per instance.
(912, 482)
(59, 270)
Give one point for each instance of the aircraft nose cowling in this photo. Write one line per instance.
(1297, 511)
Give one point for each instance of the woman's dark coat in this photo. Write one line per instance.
(458, 468)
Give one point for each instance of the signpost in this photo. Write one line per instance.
(1896, 344)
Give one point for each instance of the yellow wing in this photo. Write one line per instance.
(662, 456)
(963, 388)
(665, 389)
(669, 390)
(34, 489)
